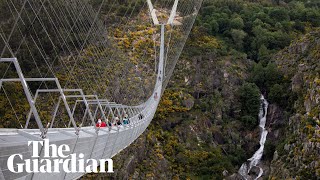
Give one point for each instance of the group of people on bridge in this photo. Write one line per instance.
(116, 122)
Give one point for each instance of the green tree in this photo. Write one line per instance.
(266, 77)
(250, 100)
(237, 23)
(214, 26)
(224, 24)
(276, 93)
(238, 37)
(258, 75)
(272, 76)
(279, 14)
(263, 53)
(249, 121)
(313, 16)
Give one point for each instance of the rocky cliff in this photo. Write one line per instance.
(298, 156)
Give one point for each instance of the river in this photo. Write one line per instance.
(255, 159)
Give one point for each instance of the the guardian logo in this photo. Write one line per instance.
(54, 159)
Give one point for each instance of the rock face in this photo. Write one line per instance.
(299, 154)
(275, 117)
(276, 123)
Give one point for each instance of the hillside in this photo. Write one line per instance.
(298, 155)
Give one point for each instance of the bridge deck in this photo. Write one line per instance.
(102, 145)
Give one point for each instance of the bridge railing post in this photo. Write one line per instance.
(26, 91)
(30, 112)
(101, 109)
(73, 111)
(85, 101)
(173, 12)
(64, 99)
(29, 97)
(55, 112)
(61, 97)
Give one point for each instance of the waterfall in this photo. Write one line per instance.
(255, 159)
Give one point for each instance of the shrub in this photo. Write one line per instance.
(249, 121)
(250, 100)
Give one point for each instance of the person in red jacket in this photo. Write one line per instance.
(101, 124)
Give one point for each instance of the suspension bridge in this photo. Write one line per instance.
(73, 62)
